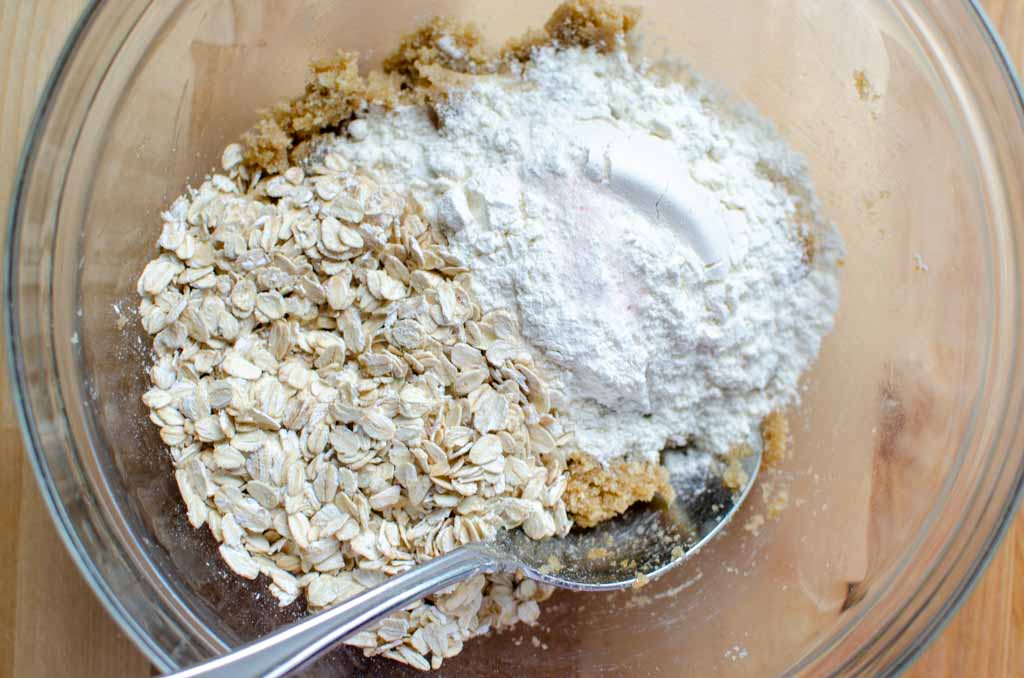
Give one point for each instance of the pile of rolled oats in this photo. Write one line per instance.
(337, 407)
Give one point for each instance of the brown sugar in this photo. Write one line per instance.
(590, 23)
(443, 43)
(596, 493)
(427, 64)
(580, 23)
(865, 90)
(775, 436)
(735, 476)
(334, 91)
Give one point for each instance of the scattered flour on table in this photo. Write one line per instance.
(651, 239)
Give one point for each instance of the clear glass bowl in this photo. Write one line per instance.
(909, 457)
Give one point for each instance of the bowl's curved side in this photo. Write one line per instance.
(121, 561)
(85, 526)
(945, 592)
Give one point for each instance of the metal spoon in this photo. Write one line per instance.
(643, 543)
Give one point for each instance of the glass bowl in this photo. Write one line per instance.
(908, 461)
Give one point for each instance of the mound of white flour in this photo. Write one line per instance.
(650, 239)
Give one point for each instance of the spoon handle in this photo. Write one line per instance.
(292, 647)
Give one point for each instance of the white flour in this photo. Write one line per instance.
(644, 233)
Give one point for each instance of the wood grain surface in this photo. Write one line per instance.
(50, 623)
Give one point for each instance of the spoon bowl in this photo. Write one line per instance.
(644, 542)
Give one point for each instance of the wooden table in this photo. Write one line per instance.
(50, 623)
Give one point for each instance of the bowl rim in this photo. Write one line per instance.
(156, 654)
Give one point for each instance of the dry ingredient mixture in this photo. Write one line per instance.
(646, 240)
(475, 291)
